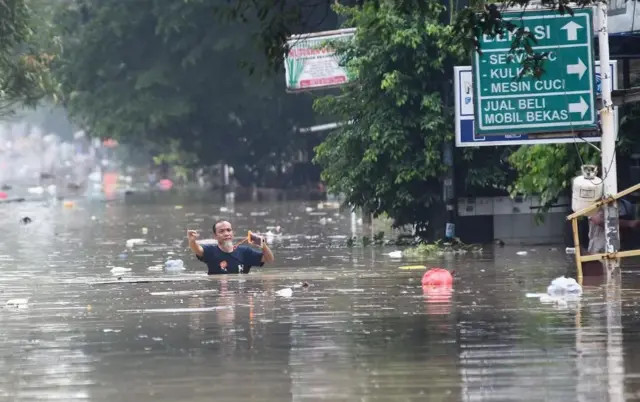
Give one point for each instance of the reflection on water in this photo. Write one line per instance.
(362, 331)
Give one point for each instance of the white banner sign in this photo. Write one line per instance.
(312, 64)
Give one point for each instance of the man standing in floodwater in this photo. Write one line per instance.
(224, 257)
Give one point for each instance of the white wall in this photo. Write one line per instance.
(514, 220)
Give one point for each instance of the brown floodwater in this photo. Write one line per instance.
(363, 330)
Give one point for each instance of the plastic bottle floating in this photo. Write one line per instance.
(437, 277)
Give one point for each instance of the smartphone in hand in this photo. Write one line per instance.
(255, 239)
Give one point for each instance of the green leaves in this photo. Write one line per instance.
(279, 19)
(24, 58)
(389, 159)
(547, 170)
(153, 71)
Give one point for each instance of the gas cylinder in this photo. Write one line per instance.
(586, 189)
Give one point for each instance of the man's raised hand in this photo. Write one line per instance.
(192, 235)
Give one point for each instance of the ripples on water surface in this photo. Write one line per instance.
(362, 331)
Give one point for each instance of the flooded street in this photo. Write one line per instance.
(363, 330)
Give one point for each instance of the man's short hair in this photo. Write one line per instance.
(216, 224)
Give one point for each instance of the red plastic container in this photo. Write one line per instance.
(437, 277)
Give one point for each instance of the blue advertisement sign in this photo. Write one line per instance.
(465, 131)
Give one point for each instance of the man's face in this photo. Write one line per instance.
(223, 232)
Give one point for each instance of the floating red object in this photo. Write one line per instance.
(109, 143)
(165, 184)
(3, 195)
(437, 277)
(437, 286)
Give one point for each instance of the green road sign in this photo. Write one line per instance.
(561, 100)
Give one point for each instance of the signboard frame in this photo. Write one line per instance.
(562, 100)
(464, 115)
(310, 65)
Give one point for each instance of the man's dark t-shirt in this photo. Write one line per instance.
(239, 261)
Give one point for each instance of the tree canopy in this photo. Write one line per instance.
(469, 19)
(151, 71)
(389, 158)
(168, 75)
(547, 170)
(24, 64)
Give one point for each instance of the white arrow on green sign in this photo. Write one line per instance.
(561, 100)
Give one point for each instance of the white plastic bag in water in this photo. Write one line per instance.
(564, 287)
(286, 292)
(174, 265)
(17, 303)
(134, 242)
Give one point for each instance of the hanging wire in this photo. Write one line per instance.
(604, 74)
(633, 19)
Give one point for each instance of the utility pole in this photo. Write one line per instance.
(608, 144)
(611, 218)
(448, 192)
(448, 187)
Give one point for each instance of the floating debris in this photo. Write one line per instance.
(410, 267)
(134, 242)
(562, 286)
(177, 310)
(286, 292)
(560, 292)
(437, 277)
(193, 293)
(120, 270)
(174, 265)
(17, 303)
